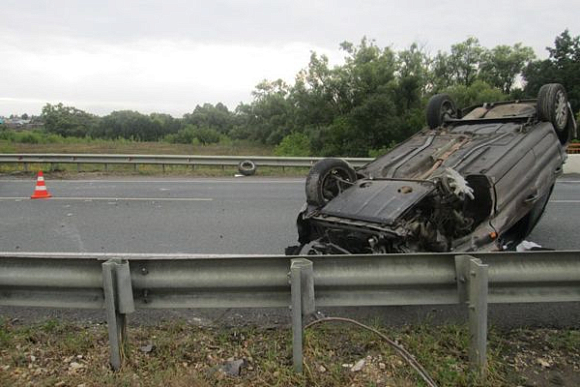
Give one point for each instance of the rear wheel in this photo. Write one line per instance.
(553, 107)
(327, 179)
(440, 108)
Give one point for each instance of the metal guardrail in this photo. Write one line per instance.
(163, 160)
(571, 166)
(121, 283)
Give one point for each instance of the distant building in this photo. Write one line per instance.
(17, 123)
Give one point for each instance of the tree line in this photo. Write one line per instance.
(360, 108)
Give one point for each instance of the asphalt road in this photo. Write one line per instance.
(229, 216)
(197, 216)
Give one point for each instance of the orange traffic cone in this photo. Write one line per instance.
(40, 192)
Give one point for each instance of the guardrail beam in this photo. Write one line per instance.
(260, 161)
(191, 281)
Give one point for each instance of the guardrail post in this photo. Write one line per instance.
(472, 286)
(302, 294)
(118, 303)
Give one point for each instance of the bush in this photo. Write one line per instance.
(207, 135)
(294, 145)
(8, 135)
(194, 135)
(477, 93)
(29, 137)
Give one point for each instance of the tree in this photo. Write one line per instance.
(438, 75)
(216, 117)
(463, 63)
(130, 125)
(563, 66)
(167, 123)
(501, 65)
(376, 98)
(477, 93)
(293, 145)
(67, 120)
(271, 113)
(413, 67)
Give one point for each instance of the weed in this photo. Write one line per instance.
(52, 353)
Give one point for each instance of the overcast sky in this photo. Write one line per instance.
(168, 56)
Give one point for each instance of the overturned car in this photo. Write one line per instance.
(476, 179)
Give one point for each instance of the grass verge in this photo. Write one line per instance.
(177, 354)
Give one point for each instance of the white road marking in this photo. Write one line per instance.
(89, 199)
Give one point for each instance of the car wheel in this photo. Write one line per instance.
(327, 179)
(247, 167)
(553, 107)
(440, 108)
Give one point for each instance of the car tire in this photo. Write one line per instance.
(553, 107)
(439, 108)
(327, 179)
(247, 167)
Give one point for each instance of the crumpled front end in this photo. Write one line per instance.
(377, 216)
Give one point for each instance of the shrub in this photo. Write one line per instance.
(295, 144)
(29, 138)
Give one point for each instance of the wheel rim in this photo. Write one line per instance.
(561, 110)
(334, 183)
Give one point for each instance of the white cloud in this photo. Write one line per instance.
(147, 75)
(170, 55)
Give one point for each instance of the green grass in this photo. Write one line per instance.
(185, 355)
(122, 146)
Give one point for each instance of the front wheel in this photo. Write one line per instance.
(327, 179)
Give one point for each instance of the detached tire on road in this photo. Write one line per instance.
(553, 107)
(327, 179)
(439, 108)
(247, 167)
